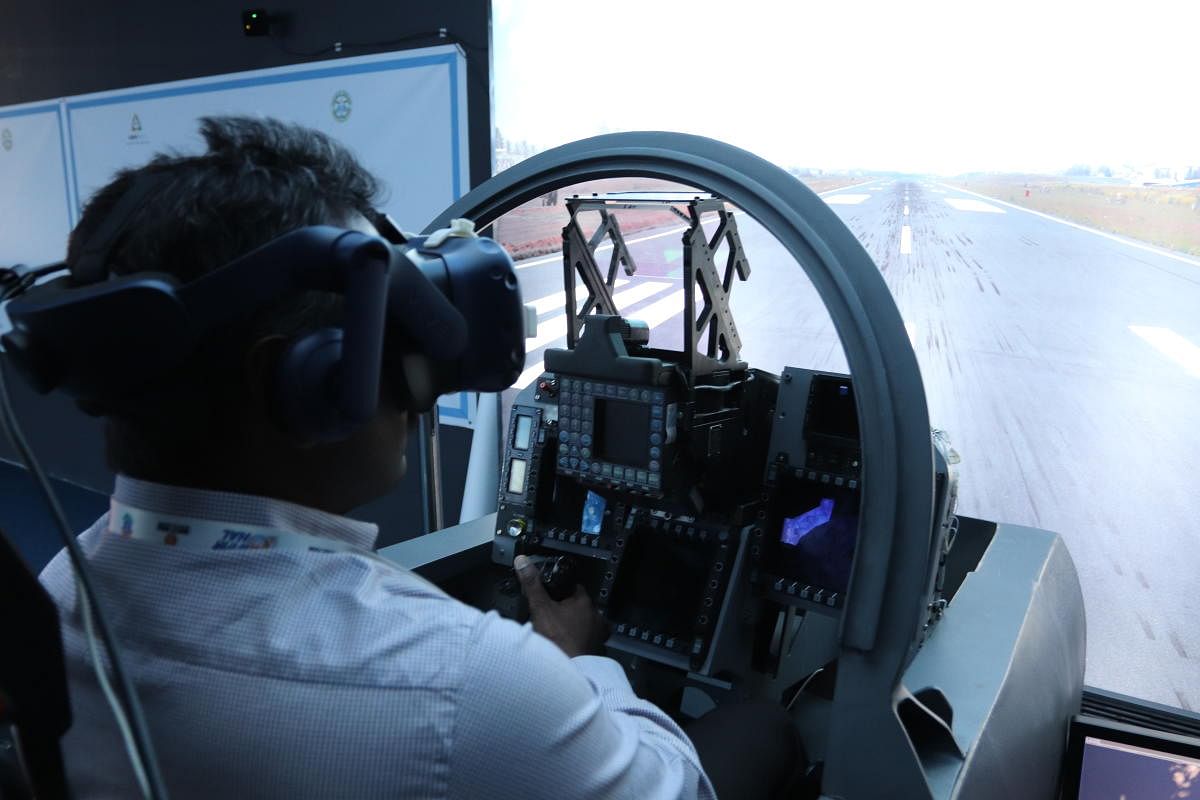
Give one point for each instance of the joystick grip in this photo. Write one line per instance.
(559, 577)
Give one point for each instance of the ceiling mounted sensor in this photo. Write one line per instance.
(256, 22)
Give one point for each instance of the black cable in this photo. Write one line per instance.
(132, 707)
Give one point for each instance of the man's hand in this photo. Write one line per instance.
(573, 624)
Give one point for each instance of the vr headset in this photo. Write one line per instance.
(427, 315)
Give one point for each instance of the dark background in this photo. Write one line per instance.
(56, 48)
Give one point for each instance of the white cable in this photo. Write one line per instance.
(803, 686)
(139, 771)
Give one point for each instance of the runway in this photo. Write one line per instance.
(1064, 363)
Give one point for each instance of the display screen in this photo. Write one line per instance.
(817, 542)
(660, 584)
(622, 432)
(1113, 769)
(524, 432)
(832, 410)
(593, 513)
(516, 475)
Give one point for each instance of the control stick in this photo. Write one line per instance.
(559, 577)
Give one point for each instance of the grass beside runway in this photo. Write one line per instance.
(1167, 217)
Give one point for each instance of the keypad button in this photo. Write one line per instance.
(656, 439)
(656, 424)
(655, 466)
(656, 452)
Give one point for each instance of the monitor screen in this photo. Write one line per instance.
(622, 432)
(832, 411)
(1117, 769)
(816, 542)
(524, 432)
(516, 475)
(660, 584)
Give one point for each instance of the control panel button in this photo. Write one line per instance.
(832, 599)
(658, 639)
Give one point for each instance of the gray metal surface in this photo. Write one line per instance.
(446, 553)
(1008, 657)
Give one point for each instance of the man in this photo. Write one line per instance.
(290, 673)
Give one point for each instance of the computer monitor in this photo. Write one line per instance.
(1107, 760)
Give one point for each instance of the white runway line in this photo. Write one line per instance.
(659, 312)
(530, 375)
(1076, 225)
(558, 300)
(906, 211)
(967, 204)
(556, 327)
(905, 240)
(1173, 346)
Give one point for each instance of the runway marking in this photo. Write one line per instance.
(556, 327)
(905, 240)
(1077, 226)
(967, 204)
(906, 211)
(847, 199)
(530, 375)
(1173, 346)
(558, 300)
(659, 312)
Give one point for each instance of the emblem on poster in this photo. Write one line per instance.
(135, 131)
(341, 105)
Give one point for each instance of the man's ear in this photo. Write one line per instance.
(260, 373)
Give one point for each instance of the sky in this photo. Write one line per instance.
(928, 87)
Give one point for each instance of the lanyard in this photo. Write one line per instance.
(187, 533)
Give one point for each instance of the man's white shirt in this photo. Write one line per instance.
(284, 673)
